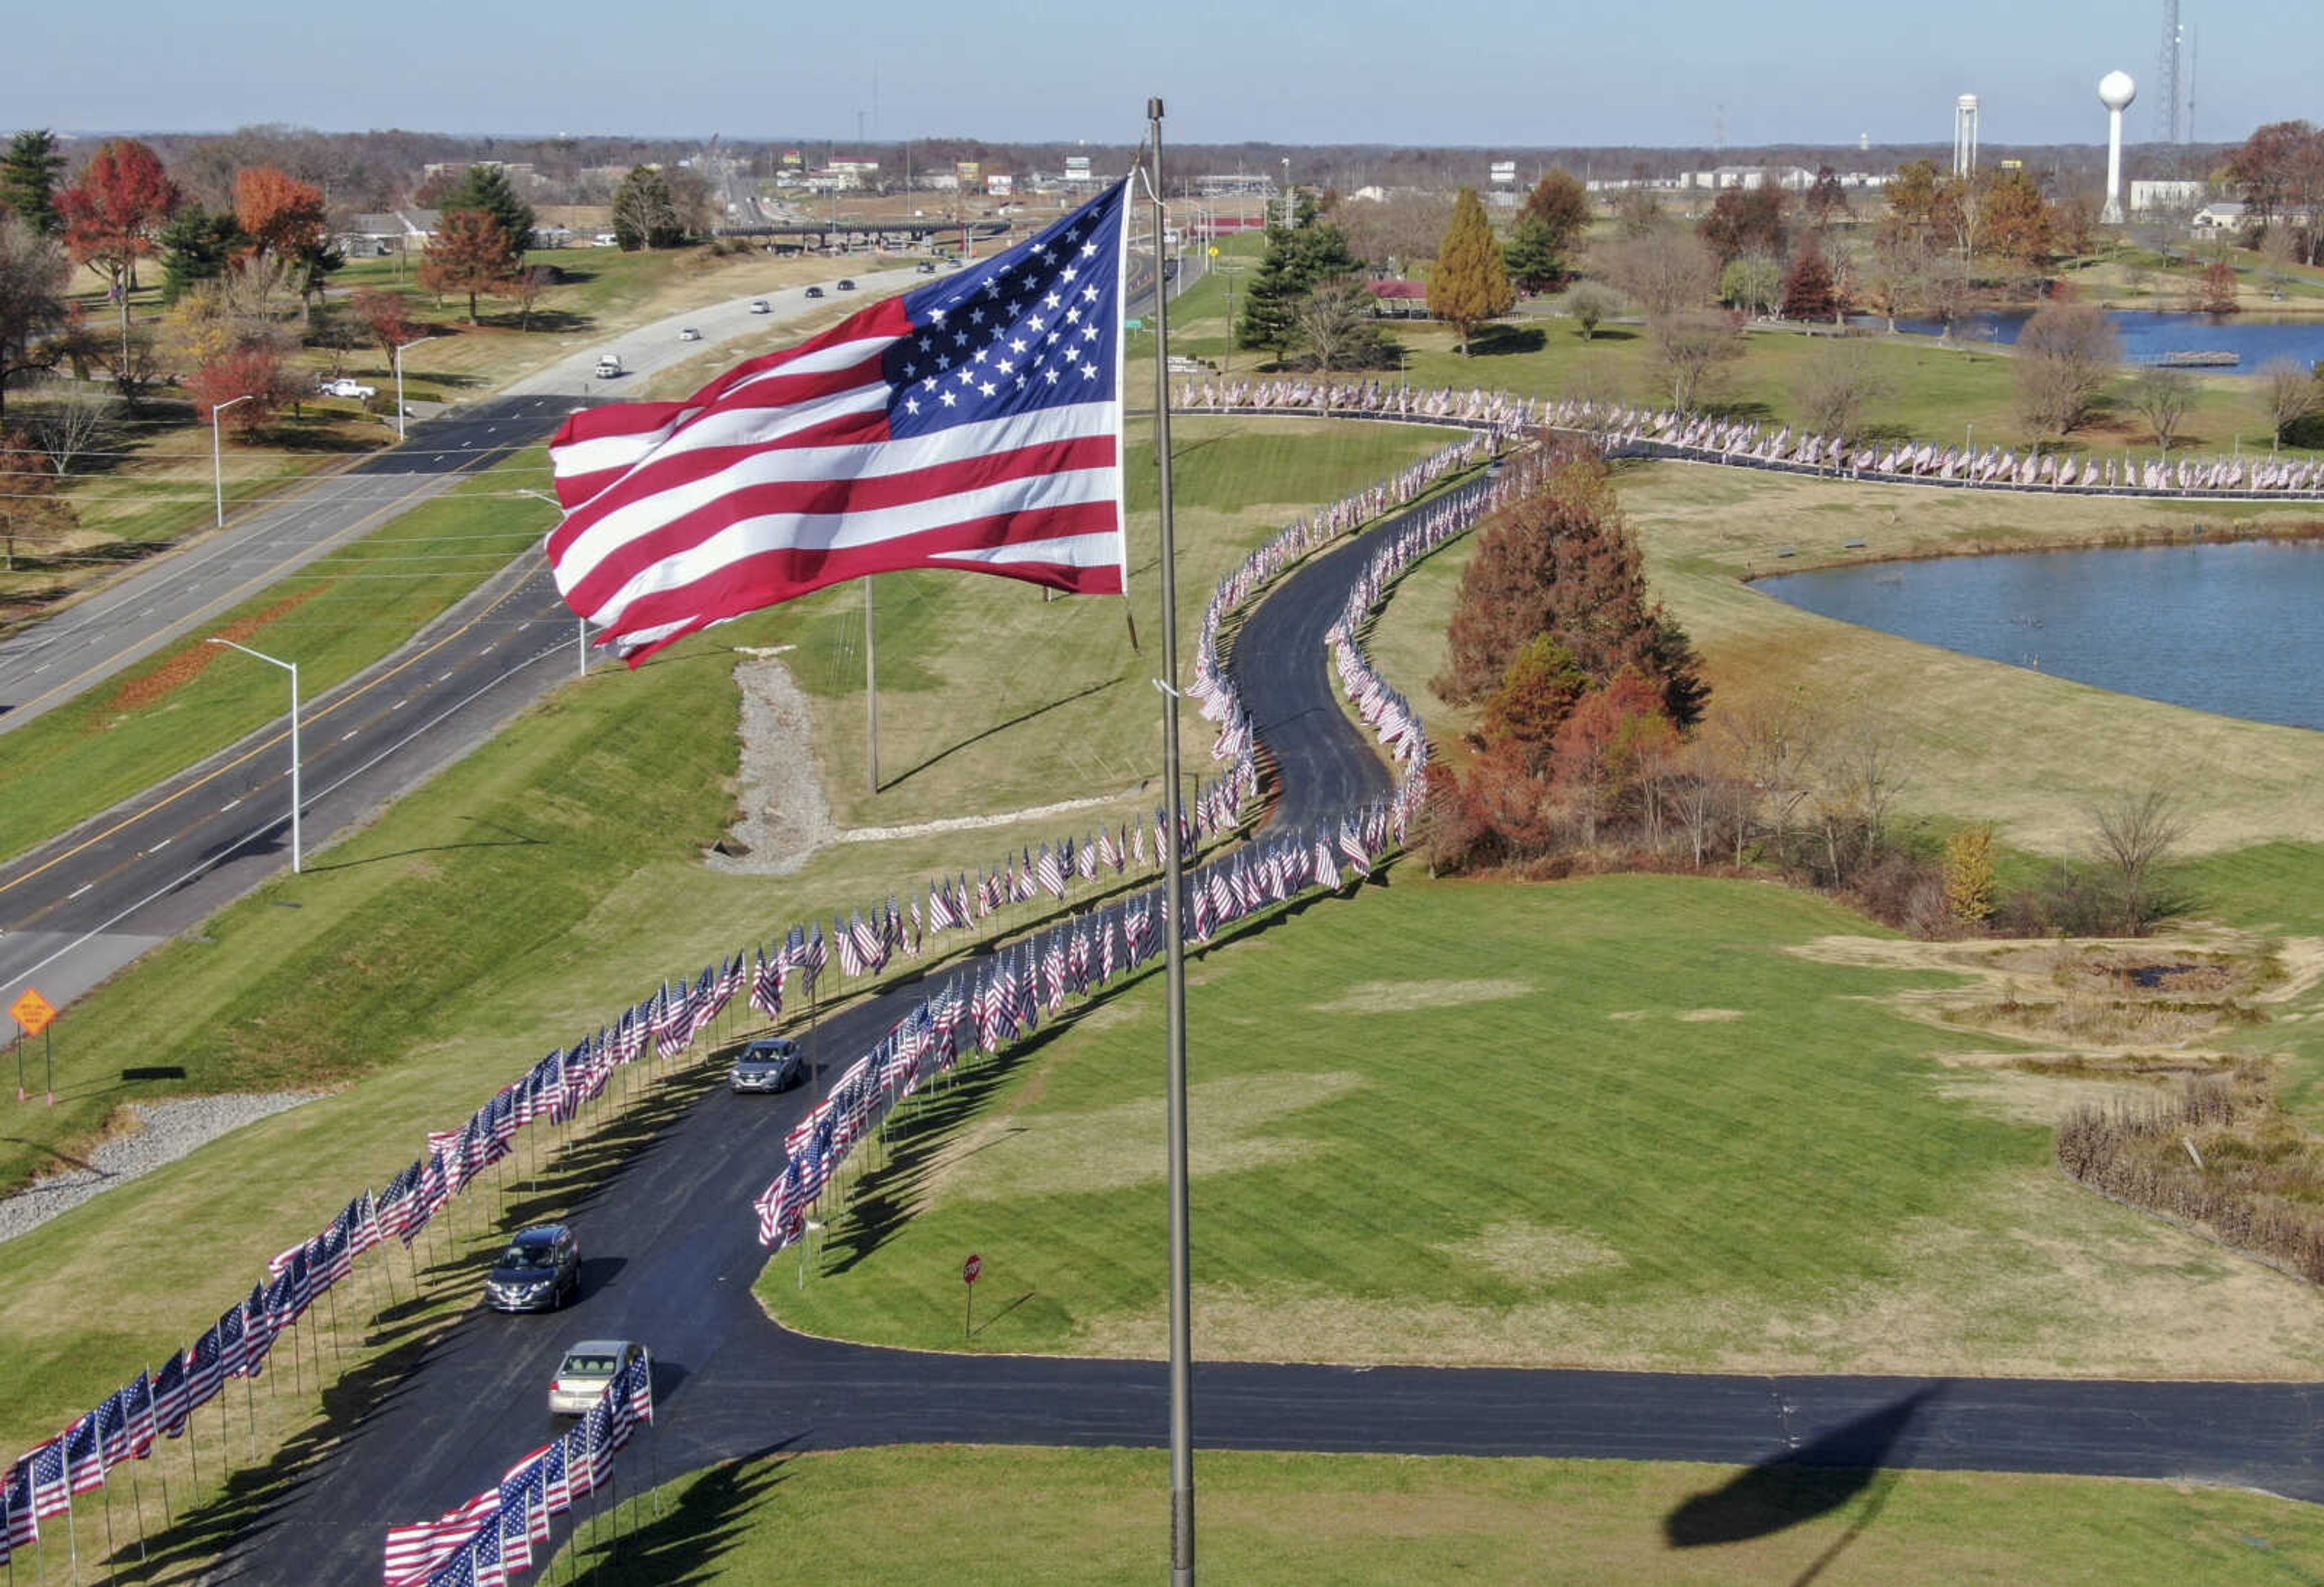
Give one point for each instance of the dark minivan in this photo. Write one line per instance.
(540, 1270)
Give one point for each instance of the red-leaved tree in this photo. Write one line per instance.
(114, 211)
(470, 253)
(388, 318)
(256, 373)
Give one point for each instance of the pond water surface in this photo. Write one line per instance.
(2146, 336)
(2236, 629)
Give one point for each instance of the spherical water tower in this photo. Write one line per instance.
(2115, 91)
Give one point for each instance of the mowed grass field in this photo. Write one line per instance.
(1638, 1122)
(975, 1516)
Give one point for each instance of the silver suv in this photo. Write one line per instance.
(771, 1063)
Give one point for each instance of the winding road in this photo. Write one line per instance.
(666, 1226)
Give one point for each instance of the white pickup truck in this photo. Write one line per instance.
(609, 366)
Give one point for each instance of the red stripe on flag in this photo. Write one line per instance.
(751, 582)
(831, 498)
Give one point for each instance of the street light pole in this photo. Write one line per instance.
(580, 624)
(400, 346)
(217, 457)
(292, 668)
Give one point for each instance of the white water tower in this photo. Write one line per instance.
(1965, 135)
(2115, 91)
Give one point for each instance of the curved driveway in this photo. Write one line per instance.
(673, 1254)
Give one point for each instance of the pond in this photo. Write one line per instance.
(2226, 628)
(2148, 337)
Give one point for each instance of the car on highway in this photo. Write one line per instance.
(540, 1270)
(845, 284)
(760, 306)
(927, 267)
(771, 1063)
(688, 334)
(815, 291)
(343, 388)
(585, 1370)
(609, 367)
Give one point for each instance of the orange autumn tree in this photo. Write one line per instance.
(279, 214)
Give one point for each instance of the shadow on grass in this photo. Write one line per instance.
(684, 1541)
(1018, 721)
(1805, 1483)
(510, 839)
(1494, 340)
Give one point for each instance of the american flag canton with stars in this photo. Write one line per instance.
(1031, 329)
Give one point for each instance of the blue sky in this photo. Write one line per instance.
(1470, 72)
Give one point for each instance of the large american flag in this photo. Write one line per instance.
(973, 423)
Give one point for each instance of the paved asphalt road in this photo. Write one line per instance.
(671, 1254)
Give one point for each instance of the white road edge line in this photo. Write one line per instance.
(221, 858)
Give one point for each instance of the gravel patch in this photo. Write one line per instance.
(785, 817)
(162, 1132)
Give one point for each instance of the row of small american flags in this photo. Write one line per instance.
(159, 1403)
(1007, 999)
(491, 1536)
(1214, 694)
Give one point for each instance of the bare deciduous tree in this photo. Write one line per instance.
(2291, 394)
(2133, 832)
(1336, 325)
(2067, 354)
(1689, 347)
(1396, 231)
(2163, 398)
(1858, 779)
(34, 270)
(1838, 381)
(70, 425)
(1664, 272)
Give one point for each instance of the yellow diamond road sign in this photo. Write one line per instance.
(32, 1012)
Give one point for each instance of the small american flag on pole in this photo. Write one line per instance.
(973, 423)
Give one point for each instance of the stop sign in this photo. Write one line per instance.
(970, 1269)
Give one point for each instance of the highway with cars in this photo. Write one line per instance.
(77, 910)
(669, 1255)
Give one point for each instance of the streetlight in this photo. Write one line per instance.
(580, 624)
(292, 668)
(217, 458)
(400, 346)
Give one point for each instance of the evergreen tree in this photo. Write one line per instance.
(1532, 256)
(29, 175)
(1296, 260)
(1471, 284)
(486, 188)
(195, 247)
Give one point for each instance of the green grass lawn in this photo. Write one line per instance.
(335, 616)
(974, 1514)
(1636, 1121)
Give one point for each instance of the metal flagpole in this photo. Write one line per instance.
(1181, 1393)
(870, 690)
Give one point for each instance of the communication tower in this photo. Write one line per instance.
(2168, 128)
